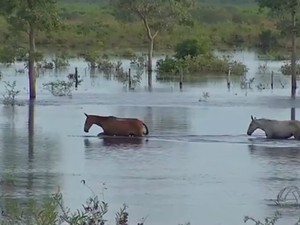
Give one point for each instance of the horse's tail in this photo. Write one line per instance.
(147, 131)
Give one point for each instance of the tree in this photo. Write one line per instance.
(281, 7)
(156, 15)
(30, 16)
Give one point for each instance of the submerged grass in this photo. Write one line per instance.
(52, 211)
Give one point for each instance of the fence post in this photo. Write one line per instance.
(181, 79)
(129, 79)
(272, 80)
(76, 77)
(228, 78)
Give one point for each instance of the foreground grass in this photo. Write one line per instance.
(52, 210)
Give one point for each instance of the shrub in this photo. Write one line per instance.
(286, 69)
(7, 55)
(267, 39)
(128, 53)
(9, 97)
(200, 64)
(167, 65)
(91, 58)
(190, 47)
(60, 87)
(52, 211)
(60, 61)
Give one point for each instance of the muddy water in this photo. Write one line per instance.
(197, 164)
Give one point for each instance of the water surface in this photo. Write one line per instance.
(196, 165)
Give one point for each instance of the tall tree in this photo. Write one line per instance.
(282, 7)
(30, 16)
(156, 16)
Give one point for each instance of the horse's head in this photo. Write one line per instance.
(252, 126)
(88, 122)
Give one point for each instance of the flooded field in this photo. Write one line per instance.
(197, 164)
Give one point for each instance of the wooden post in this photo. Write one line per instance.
(293, 113)
(228, 78)
(272, 80)
(181, 80)
(129, 79)
(76, 77)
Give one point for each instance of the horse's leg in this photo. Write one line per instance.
(296, 135)
(269, 135)
(101, 134)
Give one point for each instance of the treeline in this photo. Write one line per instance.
(225, 2)
(84, 1)
(221, 2)
(93, 24)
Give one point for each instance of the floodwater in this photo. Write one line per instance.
(197, 165)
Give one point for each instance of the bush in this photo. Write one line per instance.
(9, 98)
(128, 53)
(7, 55)
(168, 65)
(190, 47)
(267, 40)
(60, 61)
(60, 87)
(91, 58)
(286, 69)
(52, 211)
(200, 64)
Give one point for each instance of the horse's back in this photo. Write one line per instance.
(124, 126)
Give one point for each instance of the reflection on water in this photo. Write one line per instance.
(160, 120)
(280, 154)
(197, 157)
(281, 169)
(114, 142)
(30, 130)
(27, 156)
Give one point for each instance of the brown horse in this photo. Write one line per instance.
(114, 126)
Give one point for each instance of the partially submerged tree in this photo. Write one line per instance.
(282, 7)
(30, 16)
(156, 15)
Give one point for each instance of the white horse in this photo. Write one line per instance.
(276, 129)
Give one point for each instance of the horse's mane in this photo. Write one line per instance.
(104, 117)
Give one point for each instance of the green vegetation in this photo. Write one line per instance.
(52, 211)
(96, 26)
(156, 16)
(9, 97)
(288, 11)
(193, 56)
(27, 18)
(93, 28)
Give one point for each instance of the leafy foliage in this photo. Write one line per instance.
(199, 64)
(286, 69)
(60, 87)
(158, 14)
(279, 5)
(9, 97)
(191, 47)
(52, 211)
(42, 13)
